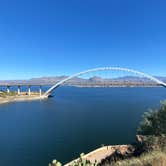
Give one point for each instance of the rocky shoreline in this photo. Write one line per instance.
(102, 153)
(114, 153)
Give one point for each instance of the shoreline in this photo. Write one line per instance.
(21, 98)
(101, 153)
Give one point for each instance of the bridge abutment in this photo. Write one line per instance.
(8, 89)
(40, 90)
(19, 90)
(29, 90)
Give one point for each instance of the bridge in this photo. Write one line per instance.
(29, 92)
(50, 90)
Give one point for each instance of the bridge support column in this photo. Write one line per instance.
(19, 90)
(29, 90)
(8, 89)
(40, 90)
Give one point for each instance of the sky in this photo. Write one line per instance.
(61, 37)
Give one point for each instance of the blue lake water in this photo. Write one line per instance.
(75, 120)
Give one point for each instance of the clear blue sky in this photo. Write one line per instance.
(54, 37)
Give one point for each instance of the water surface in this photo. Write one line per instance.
(75, 120)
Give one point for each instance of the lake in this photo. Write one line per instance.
(75, 120)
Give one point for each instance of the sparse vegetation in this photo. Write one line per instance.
(5, 94)
(154, 158)
(79, 162)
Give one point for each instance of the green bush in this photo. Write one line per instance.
(55, 163)
(154, 122)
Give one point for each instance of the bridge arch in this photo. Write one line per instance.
(48, 92)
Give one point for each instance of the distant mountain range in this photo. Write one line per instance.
(126, 80)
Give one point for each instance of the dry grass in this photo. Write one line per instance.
(155, 158)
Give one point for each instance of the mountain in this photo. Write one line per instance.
(77, 80)
(96, 79)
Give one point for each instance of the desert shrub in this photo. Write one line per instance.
(154, 122)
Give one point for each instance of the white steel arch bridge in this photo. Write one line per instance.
(49, 91)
